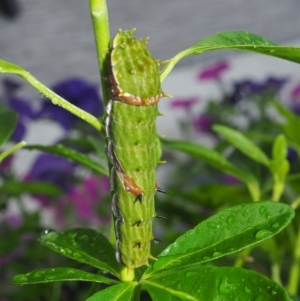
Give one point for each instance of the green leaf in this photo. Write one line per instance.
(72, 155)
(84, 245)
(118, 292)
(214, 284)
(235, 40)
(59, 274)
(243, 144)
(279, 151)
(226, 232)
(209, 156)
(216, 160)
(292, 124)
(8, 121)
(7, 67)
(17, 188)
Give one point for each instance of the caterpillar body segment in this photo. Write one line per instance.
(132, 146)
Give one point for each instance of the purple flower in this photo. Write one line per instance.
(54, 170)
(229, 179)
(295, 93)
(86, 197)
(78, 92)
(203, 123)
(184, 103)
(19, 105)
(213, 71)
(247, 88)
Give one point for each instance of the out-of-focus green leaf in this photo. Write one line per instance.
(17, 188)
(59, 274)
(243, 144)
(72, 155)
(118, 292)
(214, 284)
(235, 40)
(216, 160)
(84, 245)
(8, 121)
(226, 232)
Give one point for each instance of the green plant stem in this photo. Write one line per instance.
(294, 275)
(11, 150)
(276, 269)
(99, 16)
(277, 191)
(46, 92)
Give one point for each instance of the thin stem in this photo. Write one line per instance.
(294, 275)
(56, 99)
(276, 269)
(11, 150)
(99, 16)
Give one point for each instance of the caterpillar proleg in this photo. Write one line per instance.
(130, 126)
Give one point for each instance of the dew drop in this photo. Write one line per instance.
(247, 290)
(273, 292)
(245, 214)
(77, 255)
(224, 287)
(250, 220)
(263, 210)
(54, 101)
(205, 258)
(261, 234)
(20, 278)
(230, 221)
(216, 254)
(212, 225)
(221, 217)
(275, 225)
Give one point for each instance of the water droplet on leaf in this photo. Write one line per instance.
(263, 210)
(230, 221)
(224, 287)
(261, 234)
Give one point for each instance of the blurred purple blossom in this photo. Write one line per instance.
(80, 93)
(19, 105)
(203, 123)
(295, 93)
(85, 198)
(54, 170)
(5, 165)
(247, 88)
(213, 71)
(229, 179)
(184, 103)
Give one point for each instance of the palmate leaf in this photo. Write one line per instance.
(224, 233)
(118, 292)
(243, 144)
(84, 245)
(214, 284)
(235, 40)
(8, 121)
(72, 155)
(59, 274)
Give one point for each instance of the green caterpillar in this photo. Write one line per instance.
(130, 127)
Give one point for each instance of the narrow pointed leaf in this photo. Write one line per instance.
(72, 155)
(17, 188)
(243, 144)
(235, 40)
(214, 284)
(118, 292)
(209, 156)
(59, 274)
(224, 233)
(8, 121)
(7, 67)
(84, 245)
